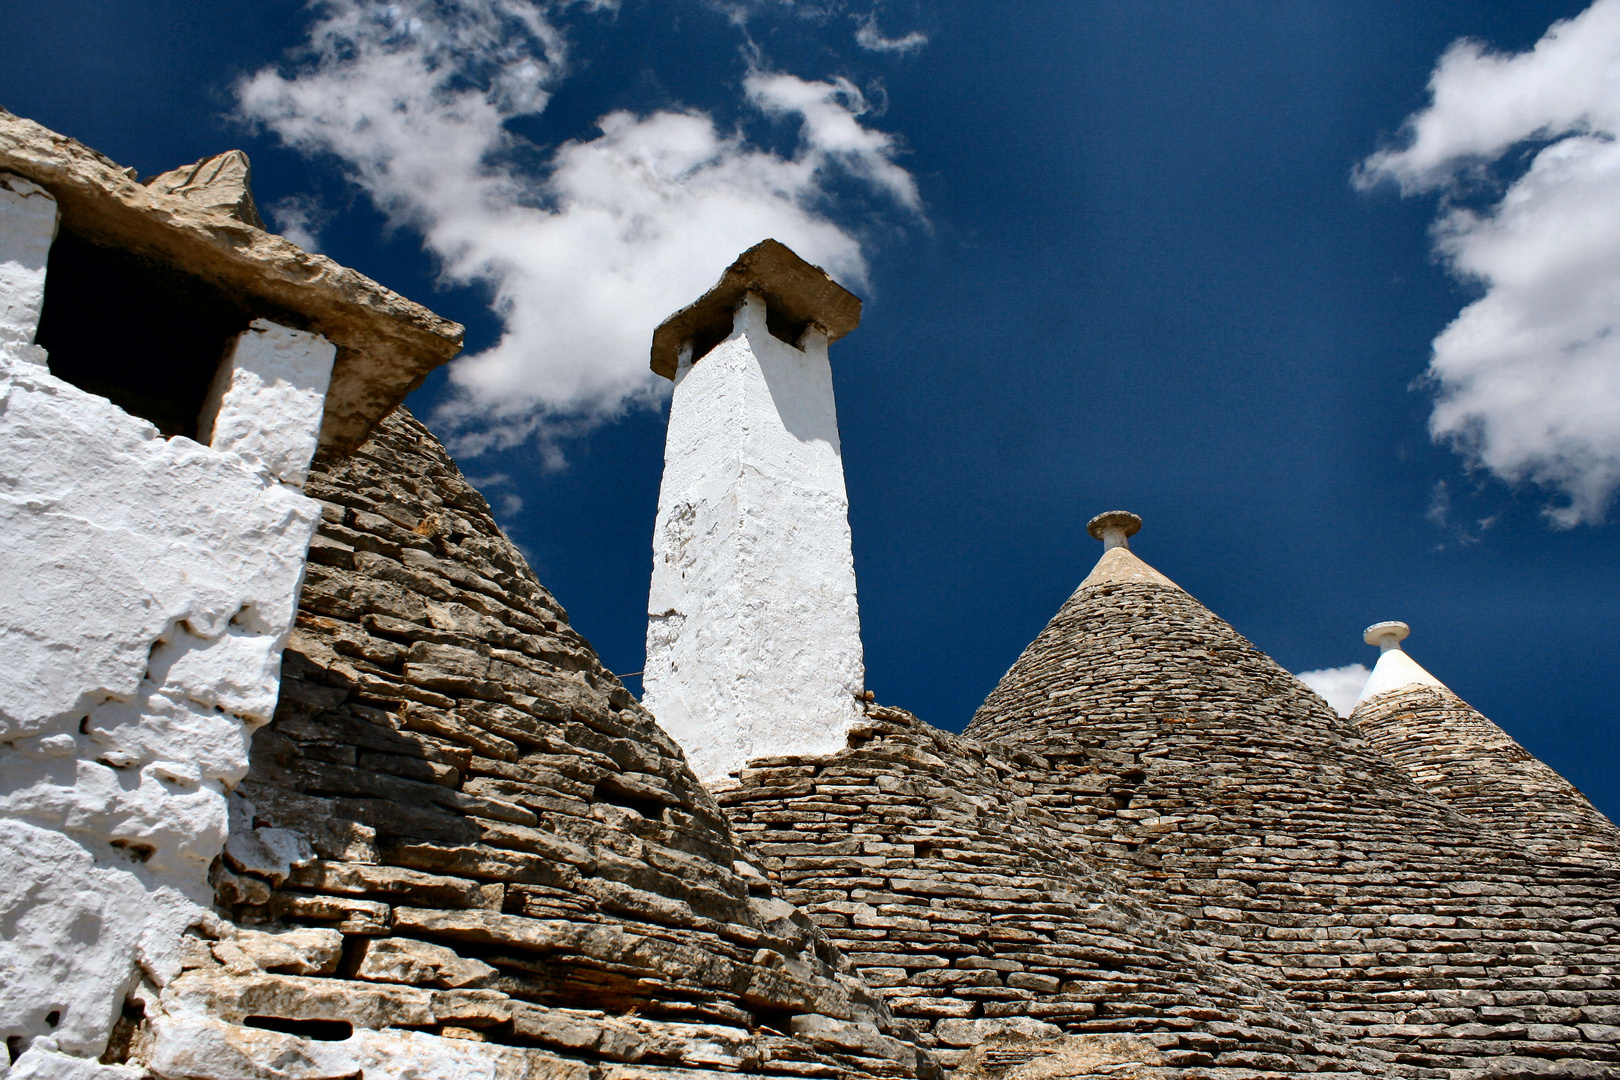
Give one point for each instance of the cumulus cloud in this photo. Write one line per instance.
(584, 247)
(1527, 377)
(1338, 686)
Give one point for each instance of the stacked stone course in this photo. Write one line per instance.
(1476, 768)
(929, 859)
(460, 827)
(1231, 796)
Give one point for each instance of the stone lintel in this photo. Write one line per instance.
(386, 345)
(796, 292)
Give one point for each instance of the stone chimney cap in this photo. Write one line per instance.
(1377, 632)
(801, 292)
(1113, 519)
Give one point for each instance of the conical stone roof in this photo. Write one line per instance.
(464, 850)
(1475, 767)
(1230, 795)
(1132, 643)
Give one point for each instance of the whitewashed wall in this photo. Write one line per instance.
(149, 587)
(753, 636)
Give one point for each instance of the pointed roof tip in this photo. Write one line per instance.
(1394, 670)
(1119, 563)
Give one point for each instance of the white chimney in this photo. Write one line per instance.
(753, 633)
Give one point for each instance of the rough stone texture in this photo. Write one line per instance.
(526, 877)
(1478, 769)
(222, 183)
(386, 345)
(986, 925)
(801, 294)
(753, 630)
(1230, 797)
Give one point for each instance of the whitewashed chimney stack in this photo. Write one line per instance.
(753, 631)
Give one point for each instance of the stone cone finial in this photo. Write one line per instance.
(1386, 635)
(1394, 669)
(1114, 528)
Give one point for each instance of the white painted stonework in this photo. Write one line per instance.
(267, 400)
(753, 635)
(27, 226)
(149, 587)
(1394, 670)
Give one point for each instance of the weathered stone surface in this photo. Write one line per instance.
(222, 183)
(417, 963)
(294, 952)
(1420, 917)
(1475, 767)
(510, 849)
(984, 921)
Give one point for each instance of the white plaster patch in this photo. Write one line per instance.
(268, 398)
(28, 218)
(44, 1061)
(67, 931)
(753, 636)
(111, 537)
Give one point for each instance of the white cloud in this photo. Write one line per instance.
(300, 218)
(587, 253)
(1338, 686)
(868, 36)
(1528, 376)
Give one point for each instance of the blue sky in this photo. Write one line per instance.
(1112, 256)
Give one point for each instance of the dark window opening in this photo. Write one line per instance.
(320, 1030)
(782, 326)
(139, 332)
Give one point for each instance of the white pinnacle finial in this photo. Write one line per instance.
(1114, 528)
(1394, 669)
(1386, 635)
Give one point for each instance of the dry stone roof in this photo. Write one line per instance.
(1476, 768)
(1154, 854)
(1229, 795)
(985, 922)
(462, 840)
